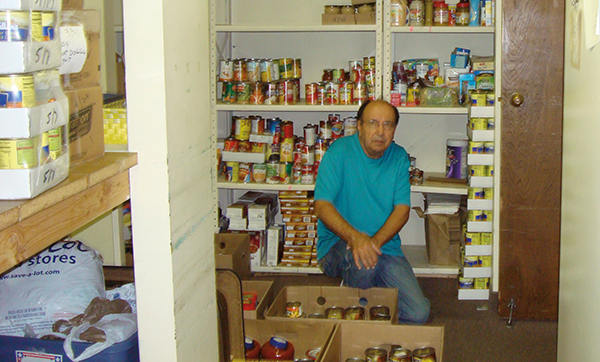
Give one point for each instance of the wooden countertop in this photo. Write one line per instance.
(92, 189)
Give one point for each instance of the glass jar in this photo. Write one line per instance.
(462, 14)
(365, 8)
(348, 10)
(417, 13)
(398, 11)
(332, 9)
(440, 13)
(277, 349)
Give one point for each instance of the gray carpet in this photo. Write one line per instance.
(473, 331)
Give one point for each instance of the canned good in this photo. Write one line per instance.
(48, 25)
(17, 91)
(266, 70)
(481, 283)
(20, 26)
(320, 148)
(243, 92)
(286, 150)
(286, 68)
(285, 92)
(354, 313)
(257, 125)
(470, 261)
(259, 172)
(488, 147)
(359, 93)
(232, 171)
(479, 124)
(488, 193)
(245, 172)
(226, 70)
(285, 172)
(334, 313)
(18, 153)
(491, 123)
(55, 142)
(229, 94)
(243, 126)
(307, 175)
(379, 310)
(297, 68)
(400, 355)
(375, 354)
(416, 176)
(307, 156)
(325, 130)
(350, 126)
(489, 171)
(485, 261)
(345, 93)
(310, 134)
(293, 309)
(472, 238)
(488, 215)
(253, 70)
(476, 193)
(477, 170)
(271, 93)
(486, 238)
(475, 147)
(310, 91)
(317, 316)
(239, 70)
(475, 215)
(424, 354)
(337, 129)
(273, 172)
(331, 93)
(465, 283)
(257, 95)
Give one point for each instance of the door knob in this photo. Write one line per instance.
(517, 99)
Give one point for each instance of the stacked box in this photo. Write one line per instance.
(297, 210)
(80, 78)
(34, 151)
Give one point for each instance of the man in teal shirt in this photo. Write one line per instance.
(362, 200)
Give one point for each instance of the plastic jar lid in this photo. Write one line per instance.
(248, 343)
(462, 5)
(457, 143)
(278, 343)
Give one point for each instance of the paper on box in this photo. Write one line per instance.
(80, 49)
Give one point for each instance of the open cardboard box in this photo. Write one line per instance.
(352, 339)
(264, 295)
(315, 299)
(232, 252)
(305, 336)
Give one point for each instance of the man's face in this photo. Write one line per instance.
(376, 129)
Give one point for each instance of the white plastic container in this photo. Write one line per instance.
(456, 158)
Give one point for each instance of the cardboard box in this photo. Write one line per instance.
(89, 75)
(360, 2)
(34, 349)
(369, 18)
(72, 4)
(443, 234)
(315, 299)
(86, 124)
(337, 19)
(306, 336)
(352, 339)
(264, 295)
(232, 251)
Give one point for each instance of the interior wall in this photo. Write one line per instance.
(578, 329)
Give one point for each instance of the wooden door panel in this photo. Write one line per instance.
(531, 149)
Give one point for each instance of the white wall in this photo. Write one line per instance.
(168, 105)
(579, 315)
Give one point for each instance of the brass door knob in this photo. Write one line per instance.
(517, 99)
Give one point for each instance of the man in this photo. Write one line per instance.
(362, 200)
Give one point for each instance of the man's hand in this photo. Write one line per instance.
(365, 251)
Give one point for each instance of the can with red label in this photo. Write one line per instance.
(271, 94)
(285, 92)
(257, 95)
(245, 172)
(287, 129)
(307, 177)
(310, 91)
(359, 93)
(258, 125)
(320, 148)
(331, 93)
(297, 68)
(297, 155)
(308, 155)
(239, 70)
(345, 93)
(230, 144)
(337, 129)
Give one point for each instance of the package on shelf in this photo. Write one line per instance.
(86, 124)
(34, 148)
(274, 245)
(115, 122)
(80, 46)
(298, 255)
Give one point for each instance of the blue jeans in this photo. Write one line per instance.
(391, 271)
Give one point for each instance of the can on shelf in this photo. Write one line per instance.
(311, 93)
(243, 91)
(359, 93)
(475, 215)
(465, 283)
(239, 70)
(245, 172)
(310, 134)
(317, 316)
(285, 92)
(17, 91)
(424, 354)
(308, 178)
(243, 126)
(376, 354)
(232, 171)
(55, 142)
(297, 68)
(379, 310)
(257, 95)
(259, 172)
(477, 170)
(479, 124)
(345, 93)
(226, 70)
(266, 67)
(488, 215)
(486, 238)
(286, 68)
(325, 130)
(257, 125)
(337, 129)
(470, 261)
(20, 26)
(472, 238)
(334, 312)
(273, 172)
(475, 147)
(48, 25)
(481, 283)
(253, 70)
(293, 309)
(476, 193)
(332, 90)
(229, 94)
(488, 193)
(271, 94)
(320, 148)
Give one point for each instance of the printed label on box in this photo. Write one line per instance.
(26, 356)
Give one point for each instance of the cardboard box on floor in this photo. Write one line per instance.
(86, 124)
(315, 299)
(305, 336)
(232, 251)
(443, 234)
(264, 297)
(89, 75)
(352, 339)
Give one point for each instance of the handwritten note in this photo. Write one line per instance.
(73, 49)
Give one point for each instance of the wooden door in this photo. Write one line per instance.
(531, 149)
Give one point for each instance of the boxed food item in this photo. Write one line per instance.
(307, 339)
(337, 19)
(274, 247)
(263, 290)
(232, 251)
(352, 340)
(72, 4)
(86, 124)
(317, 299)
(80, 44)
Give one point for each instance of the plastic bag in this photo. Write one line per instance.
(117, 327)
(439, 97)
(58, 283)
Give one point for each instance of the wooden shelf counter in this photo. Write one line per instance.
(92, 189)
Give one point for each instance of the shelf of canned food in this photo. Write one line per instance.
(293, 28)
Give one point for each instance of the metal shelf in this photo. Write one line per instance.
(443, 29)
(292, 29)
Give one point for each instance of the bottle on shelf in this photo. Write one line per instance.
(398, 12)
(417, 13)
(428, 12)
